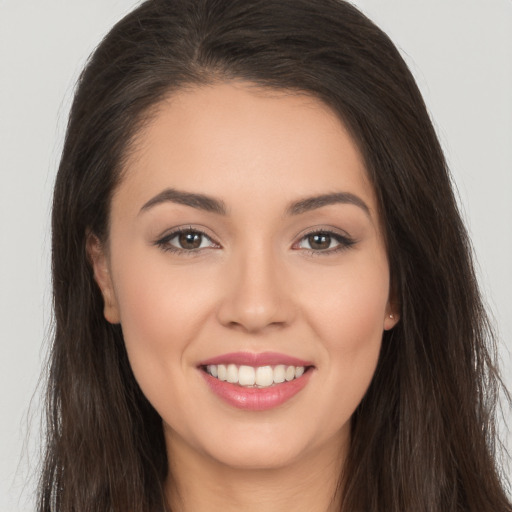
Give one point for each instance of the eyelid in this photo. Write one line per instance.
(163, 241)
(345, 241)
(342, 237)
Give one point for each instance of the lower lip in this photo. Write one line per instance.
(256, 399)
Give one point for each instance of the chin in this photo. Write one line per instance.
(264, 454)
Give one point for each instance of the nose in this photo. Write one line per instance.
(257, 296)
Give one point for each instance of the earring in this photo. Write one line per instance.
(391, 316)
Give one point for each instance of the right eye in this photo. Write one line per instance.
(324, 242)
(185, 240)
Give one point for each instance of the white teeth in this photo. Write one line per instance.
(246, 376)
(264, 376)
(279, 373)
(222, 372)
(232, 373)
(261, 376)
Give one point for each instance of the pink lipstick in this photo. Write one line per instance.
(256, 382)
(252, 359)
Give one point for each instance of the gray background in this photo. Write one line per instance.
(459, 50)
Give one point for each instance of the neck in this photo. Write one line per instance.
(199, 483)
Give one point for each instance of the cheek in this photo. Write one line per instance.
(154, 297)
(352, 318)
(160, 315)
(347, 303)
(347, 313)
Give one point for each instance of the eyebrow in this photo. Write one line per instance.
(198, 201)
(312, 203)
(213, 205)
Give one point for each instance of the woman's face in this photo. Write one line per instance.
(245, 244)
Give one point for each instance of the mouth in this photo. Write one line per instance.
(256, 382)
(258, 377)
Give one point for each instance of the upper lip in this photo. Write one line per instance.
(255, 359)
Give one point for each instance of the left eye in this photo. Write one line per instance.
(324, 241)
(188, 240)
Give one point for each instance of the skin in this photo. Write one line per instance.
(255, 284)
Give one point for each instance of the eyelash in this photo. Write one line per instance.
(344, 242)
(164, 242)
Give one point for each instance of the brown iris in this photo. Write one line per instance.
(320, 241)
(190, 240)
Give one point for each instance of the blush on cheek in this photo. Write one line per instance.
(352, 331)
(353, 316)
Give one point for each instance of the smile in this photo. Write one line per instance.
(255, 377)
(256, 382)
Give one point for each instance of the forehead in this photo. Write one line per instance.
(236, 140)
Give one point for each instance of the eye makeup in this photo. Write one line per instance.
(324, 241)
(190, 240)
(187, 241)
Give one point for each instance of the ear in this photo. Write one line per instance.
(99, 261)
(392, 313)
(390, 320)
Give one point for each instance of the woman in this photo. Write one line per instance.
(263, 290)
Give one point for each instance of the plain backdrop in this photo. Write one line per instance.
(460, 52)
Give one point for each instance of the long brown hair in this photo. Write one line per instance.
(423, 438)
